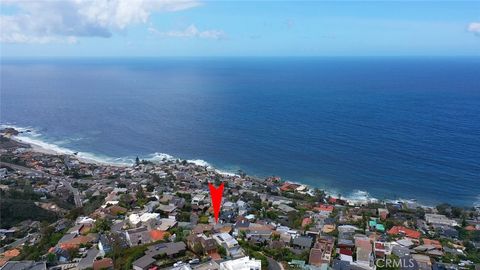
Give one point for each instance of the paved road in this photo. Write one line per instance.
(76, 194)
(22, 168)
(87, 261)
(274, 265)
(19, 242)
(63, 180)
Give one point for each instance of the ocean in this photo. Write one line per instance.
(385, 127)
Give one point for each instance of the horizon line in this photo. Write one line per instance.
(233, 56)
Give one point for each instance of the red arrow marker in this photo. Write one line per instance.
(216, 195)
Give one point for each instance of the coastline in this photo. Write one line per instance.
(41, 146)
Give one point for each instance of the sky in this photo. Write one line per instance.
(159, 28)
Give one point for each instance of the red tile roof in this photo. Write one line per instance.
(306, 221)
(432, 242)
(470, 228)
(404, 230)
(75, 242)
(288, 186)
(106, 263)
(158, 235)
(345, 251)
(332, 200)
(215, 256)
(8, 255)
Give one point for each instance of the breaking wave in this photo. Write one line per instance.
(32, 136)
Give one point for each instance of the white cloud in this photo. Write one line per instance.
(42, 21)
(190, 32)
(474, 27)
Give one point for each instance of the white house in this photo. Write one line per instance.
(225, 240)
(244, 263)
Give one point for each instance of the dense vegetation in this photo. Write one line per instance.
(18, 205)
(49, 238)
(123, 258)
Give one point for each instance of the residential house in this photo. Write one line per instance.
(24, 265)
(322, 251)
(401, 230)
(198, 199)
(382, 248)
(166, 209)
(136, 219)
(302, 243)
(229, 243)
(167, 249)
(375, 226)
(383, 213)
(324, 209)
(440, 220)
(138, 236)
(103, 264)
(446, 231)
(364, 250)
(244, 263)
(201, 244)
(423, 261)
(143, 263)
(210, 265)
(107, 243)
(346, 236)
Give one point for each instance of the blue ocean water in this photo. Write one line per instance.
(395, 127)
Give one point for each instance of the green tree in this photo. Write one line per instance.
(125, 201)
(203, 219)
(222, 251)
(141, 197)
(275, 236)
(242, 235)
(102, 225)
(51, 258)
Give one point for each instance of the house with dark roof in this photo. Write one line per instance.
(138, 236)
(171, 250)
(201, 244)
(242, 223)
(168, 249)
(143, 263)
(446, 231)
(345, 265)
(24, 265)
(167, 209)
(113, 240)
(345, 236)
(302, 243)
